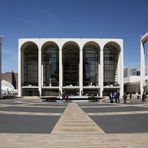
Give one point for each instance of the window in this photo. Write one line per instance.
(111, 55)
(50, 54)
(31, 65)
(90, 65)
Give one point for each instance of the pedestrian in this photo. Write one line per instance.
(143, 97)
(66, 97)
(110, 98)
(130, 95)
(115, 96)
(125, 97)
(118, 97)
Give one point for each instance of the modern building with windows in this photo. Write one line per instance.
(132, 80)
(78, 66)
(144, 63)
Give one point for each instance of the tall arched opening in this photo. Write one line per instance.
(50, 62)
(70, 61)
(111, 67)
(29, 79)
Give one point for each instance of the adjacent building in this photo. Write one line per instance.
(144, 63)
(78, 66)
(10, 77)
(0, 62)
(131, 71)
(132, 80)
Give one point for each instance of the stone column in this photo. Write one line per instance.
(81, 72)
(101, 72)
(20, 73)
(40, 70)
(121, 68)
(60, 71)
(142, 67)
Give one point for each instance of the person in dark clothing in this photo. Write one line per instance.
(66, 97)
(118, 97)
(110, 98)
(143, 97)
(125, 97)
(130, 96)
(115, 97)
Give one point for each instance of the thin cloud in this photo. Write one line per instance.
(29, 21)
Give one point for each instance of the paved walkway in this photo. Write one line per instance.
(75, 121)
(74, 130)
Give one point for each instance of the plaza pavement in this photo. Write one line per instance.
(34, 124)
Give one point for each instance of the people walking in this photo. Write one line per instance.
(143, 97)
(111, 97)
(66, 97)
(118, 97)
(125, 97)
(130, 96)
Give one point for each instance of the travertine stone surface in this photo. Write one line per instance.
(74, 130)
(75, 121)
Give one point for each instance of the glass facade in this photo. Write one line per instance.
(70, 65)
(90, 65)
(50, 55)
(31, 65)
(111, 55)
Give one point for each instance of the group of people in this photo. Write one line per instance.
(114, 97)
(125, 96)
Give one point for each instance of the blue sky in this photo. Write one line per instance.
(126, 19)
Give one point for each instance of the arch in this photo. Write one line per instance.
(27, 45)
(50, 62)
(91, 60)
(111, 60)
(92, 43)
(49, 43)
(69, 43)
(29, 62)
(70, 54)
(113, 44)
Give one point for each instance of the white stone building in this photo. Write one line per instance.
(78, 66)
(0, 62)
(144, 63)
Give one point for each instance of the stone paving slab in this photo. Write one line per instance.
(114, 109)
(98, 104)
(75, 121)
(73, 141)
(31, 109)
(117, 113)
(30, 113)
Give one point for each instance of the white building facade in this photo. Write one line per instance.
(78, 66)
(144, 63)
(0, 62)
